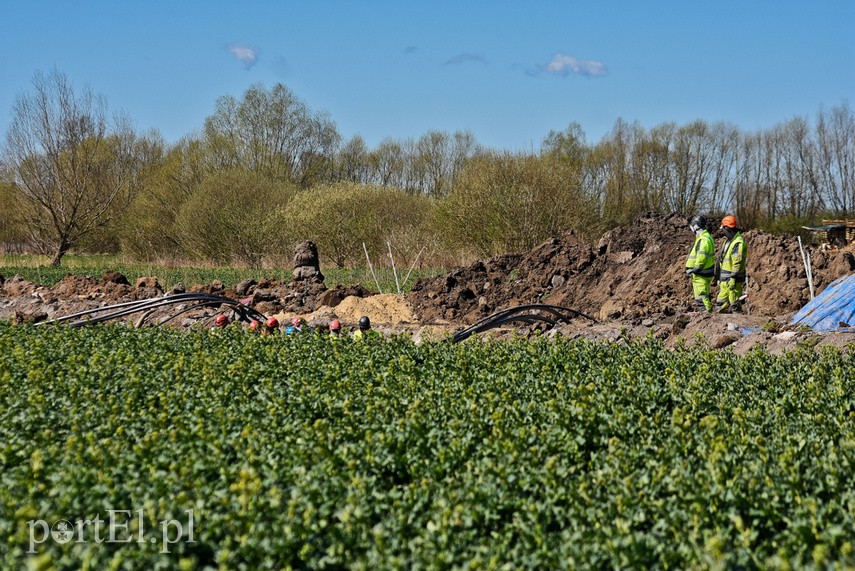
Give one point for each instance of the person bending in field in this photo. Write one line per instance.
(271, 325)
(298, 325)
(364, 329)
(335, 328)
(220, 322)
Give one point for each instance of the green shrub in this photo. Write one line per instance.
(340, 218)
(508, 202)
(232, 217)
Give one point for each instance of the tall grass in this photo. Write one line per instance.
(36, 269)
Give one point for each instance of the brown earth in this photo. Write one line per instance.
(632, 282)
(634, 272)
(23, 301)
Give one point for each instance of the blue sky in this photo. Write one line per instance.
(508, 71)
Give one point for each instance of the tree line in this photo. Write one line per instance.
(266, 171)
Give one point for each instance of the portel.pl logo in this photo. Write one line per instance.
(115, 529)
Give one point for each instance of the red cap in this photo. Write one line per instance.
(272, 323)
(221, 320)
(335, 325)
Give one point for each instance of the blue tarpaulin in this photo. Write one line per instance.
(833, 309)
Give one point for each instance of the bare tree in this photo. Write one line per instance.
(836, 151)
(650, 168)
(387, 163)
(691, 162)
(802, 143)
(793, 150)
(74, 171)
(724, 151)
(271, 132)
(568, 144)
(438, 158)
(608, 173)
(352, 163)
(464, 147)
(434, 157)
(754, 190)
(13, 234)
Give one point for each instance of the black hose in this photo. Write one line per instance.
(137, 305)
(195, 299)
(169, 318)
(556, 314)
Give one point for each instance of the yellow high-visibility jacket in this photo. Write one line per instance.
(702, 256)
(733, 257)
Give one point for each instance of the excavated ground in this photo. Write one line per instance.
(632, 282)
(633, 273)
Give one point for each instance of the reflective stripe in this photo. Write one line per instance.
(732, 259)
(702, 255)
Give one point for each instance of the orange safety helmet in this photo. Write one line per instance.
(221, 320)
(272, 323)
(254, 325)
(335, 325)
(297, 321)
(729, 222)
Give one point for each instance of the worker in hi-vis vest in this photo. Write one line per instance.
(730, 271)
(700, 265)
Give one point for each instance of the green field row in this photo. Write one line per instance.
(314, 452)
(34, 269)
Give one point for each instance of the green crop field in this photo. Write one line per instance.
(233, 451)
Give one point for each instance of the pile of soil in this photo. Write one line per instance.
(390, 310)
(24, 301)
(383, 308)
(634, 272)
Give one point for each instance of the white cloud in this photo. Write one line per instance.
(464, 57)
(244, 53)
(562, 64)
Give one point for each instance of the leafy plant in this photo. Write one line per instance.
(317, 452)
(772, 327)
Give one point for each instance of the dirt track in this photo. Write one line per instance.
(632, 281)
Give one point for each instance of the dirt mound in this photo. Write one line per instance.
(634, 272)
(386, 308)
(777, 278)
(112, 288)
(298, 297)
(389, 310)
(21, 300)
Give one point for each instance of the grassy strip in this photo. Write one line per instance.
(29, 268)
